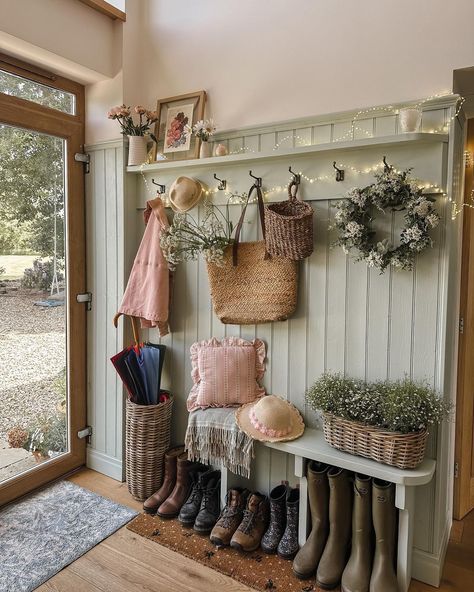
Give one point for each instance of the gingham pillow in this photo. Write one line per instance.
(226, 372)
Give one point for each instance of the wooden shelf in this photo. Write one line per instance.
(312, 445)
(255, 157)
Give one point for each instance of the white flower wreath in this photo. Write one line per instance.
(392, 190)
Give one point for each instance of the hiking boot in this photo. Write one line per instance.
(248, 535)
(190, 509)
(230, 517)
(210, 504)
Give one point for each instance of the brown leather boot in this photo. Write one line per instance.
(335, 552)
(172, 505)
(230, 517)
(151, 505)
(384, 515)
(307, 558)
(248, 535)
(356, 575)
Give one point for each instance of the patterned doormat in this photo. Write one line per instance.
(257, 570)
(50, 529)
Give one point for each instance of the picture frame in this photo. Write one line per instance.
(174, 142)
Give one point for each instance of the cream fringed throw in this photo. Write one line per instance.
(214, 438)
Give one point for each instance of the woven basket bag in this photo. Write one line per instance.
(148, 431)
(405, 451)
(251, 287)
(289, 227)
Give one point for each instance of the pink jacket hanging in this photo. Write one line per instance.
(147, 295)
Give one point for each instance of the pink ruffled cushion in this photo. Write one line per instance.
(226, 372)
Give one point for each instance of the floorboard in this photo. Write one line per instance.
(126, 562)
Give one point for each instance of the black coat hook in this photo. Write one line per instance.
(339, 172)
(296, 177)
(387, 167)
(222, 183)
(258, 180)
(161, 188)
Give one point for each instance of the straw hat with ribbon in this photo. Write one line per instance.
(270, 419)
(184, 194)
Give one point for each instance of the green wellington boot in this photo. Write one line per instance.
(356, 575)
(306, 561)
(384, 516)
(336, 551)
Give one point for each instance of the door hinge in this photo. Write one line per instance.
(461, 325)
(85, 297)
(84, 158)
(456, 470)
(85, 433)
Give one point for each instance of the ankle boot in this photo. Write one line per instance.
(230, 517)
(190, 509)
(307, 558)
(172, 505)
(276, 528)
(248, 535)
(151, 505)
(288, 545)
(335, 552)
(356, 576)
(210, 504)
(384, 515)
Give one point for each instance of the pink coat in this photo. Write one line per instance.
(147, 295)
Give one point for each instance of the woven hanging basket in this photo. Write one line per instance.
(289, 227)
(405, 451)
(148, 431)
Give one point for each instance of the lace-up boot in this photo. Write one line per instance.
(230, 517)
(248, 535)
(190, 509)
(210, 503)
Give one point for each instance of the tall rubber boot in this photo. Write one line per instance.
(336, 551)
(307, 559)
(356, 575)
(384, 515)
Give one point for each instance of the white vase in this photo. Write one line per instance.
(205, 151)
(137, 150)
(409, 119)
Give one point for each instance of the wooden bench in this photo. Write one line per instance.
(313, 446)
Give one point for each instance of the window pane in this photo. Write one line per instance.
(16, 86)
(33, 385)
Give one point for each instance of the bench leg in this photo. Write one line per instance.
(303, 508)
(405, 502)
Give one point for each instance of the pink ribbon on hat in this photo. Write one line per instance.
(258, 425)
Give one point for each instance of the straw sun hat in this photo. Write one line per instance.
(270, 419)
(184, 194)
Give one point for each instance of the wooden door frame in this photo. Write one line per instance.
(26, 114)
(463, 483)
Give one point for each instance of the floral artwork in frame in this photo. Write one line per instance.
(176, 115)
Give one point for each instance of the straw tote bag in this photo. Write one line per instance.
(251, 287)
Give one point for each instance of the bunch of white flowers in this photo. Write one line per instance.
(204, 129)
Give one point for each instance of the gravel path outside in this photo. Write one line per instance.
(32, 354)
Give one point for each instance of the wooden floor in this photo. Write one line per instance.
(126, 562)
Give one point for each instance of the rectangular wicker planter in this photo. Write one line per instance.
(405, 451)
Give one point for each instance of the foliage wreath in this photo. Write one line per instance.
(394, 191)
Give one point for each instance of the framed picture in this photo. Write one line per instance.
(175, 142)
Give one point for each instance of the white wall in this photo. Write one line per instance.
(276, 60)
(63, 35)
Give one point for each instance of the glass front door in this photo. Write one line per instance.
(42, 269)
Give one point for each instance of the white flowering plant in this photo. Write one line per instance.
(402, 406)
(392, 191)
(187, 238)
(203, 129)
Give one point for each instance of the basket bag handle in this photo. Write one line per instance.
(238, 229)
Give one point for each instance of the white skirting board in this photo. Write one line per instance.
(107, 465)
(428, 567)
